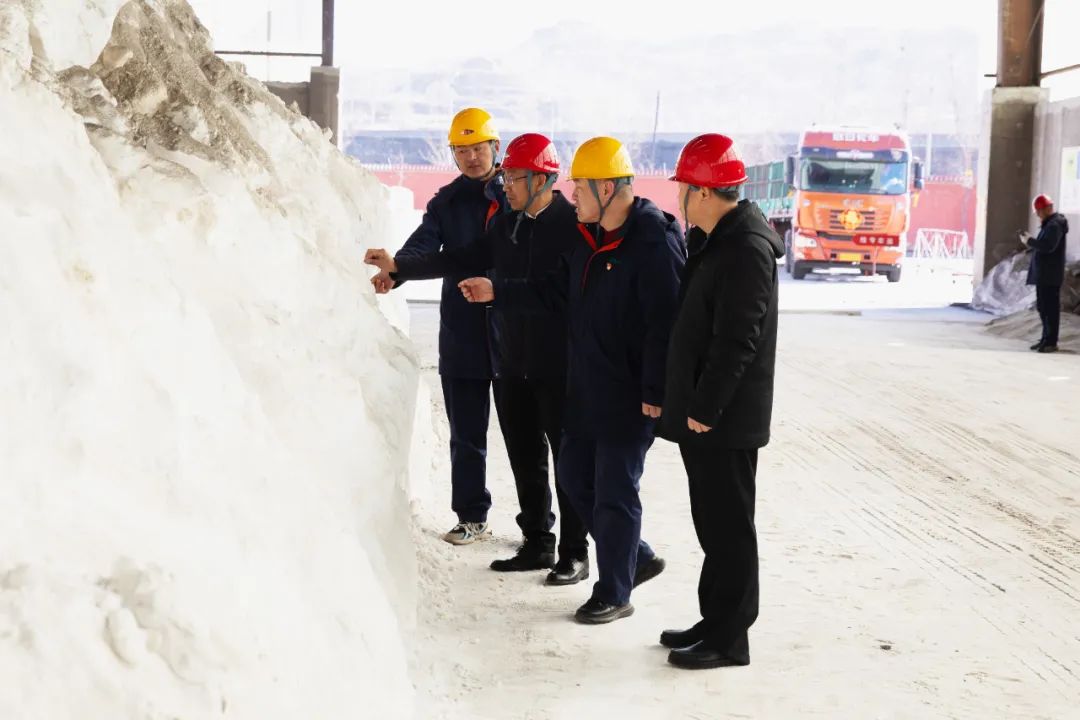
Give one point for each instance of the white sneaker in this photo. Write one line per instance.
(467, 533)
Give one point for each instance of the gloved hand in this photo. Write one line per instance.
(1025, 237)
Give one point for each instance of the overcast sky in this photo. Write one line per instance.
(421, 33)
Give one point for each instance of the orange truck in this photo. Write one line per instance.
(843, 200)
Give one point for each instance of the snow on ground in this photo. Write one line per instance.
(919, 521)
(205, 412)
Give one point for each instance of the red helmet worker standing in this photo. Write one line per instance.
(719, 391)
(1047, 269)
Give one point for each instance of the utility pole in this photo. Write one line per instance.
(928, 163)
(656, 125)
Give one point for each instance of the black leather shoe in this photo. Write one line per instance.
(569, 571)
(676, 639)
(527, 558)
(702, 657)
(598, 612)
(1037, 346)
(1048, 349)
(649, 570)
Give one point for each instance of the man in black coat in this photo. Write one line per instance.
(618, 288)
(458, 214)
(719, 395)
(529, 351)
(1047, 270)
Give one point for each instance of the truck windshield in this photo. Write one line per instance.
(869, 178)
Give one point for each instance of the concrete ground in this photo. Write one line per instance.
(919, 527)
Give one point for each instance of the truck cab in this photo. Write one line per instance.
(851, 202)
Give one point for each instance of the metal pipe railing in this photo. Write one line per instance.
(327, 53)
(261, 53)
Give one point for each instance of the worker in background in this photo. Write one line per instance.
(458, 214)
(618, 287)
(1047, 270)
(719, 394)
(530, 351)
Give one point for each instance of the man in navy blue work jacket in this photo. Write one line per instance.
(458, 214)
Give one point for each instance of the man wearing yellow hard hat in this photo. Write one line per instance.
(619, 287)
(458, 214)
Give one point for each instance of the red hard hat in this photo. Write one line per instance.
(1041, 201)
(531, 151)
(711, 161)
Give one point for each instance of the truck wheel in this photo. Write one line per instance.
(799, 271)
(894, 275)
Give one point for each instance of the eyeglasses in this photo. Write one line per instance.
(508, 181)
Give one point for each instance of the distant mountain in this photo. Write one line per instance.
(573, 77)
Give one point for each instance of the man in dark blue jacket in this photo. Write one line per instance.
(619, 287)
(457, 215)
(1047, 270)
(529, 351)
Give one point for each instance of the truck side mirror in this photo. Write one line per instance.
(917, 168)
(789, 170)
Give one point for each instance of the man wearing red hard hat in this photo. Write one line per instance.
(1047, 270)
(529, 352)
(719, 391)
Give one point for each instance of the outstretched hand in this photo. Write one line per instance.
(380, 259)
(477, 290)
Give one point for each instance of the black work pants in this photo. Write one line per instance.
(722, 495)
(1048, 303)
(468, 405)
(531, 417)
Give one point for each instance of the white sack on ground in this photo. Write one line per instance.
(1004, 290)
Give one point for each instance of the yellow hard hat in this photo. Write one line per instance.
(602, 158)
(472, 126)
